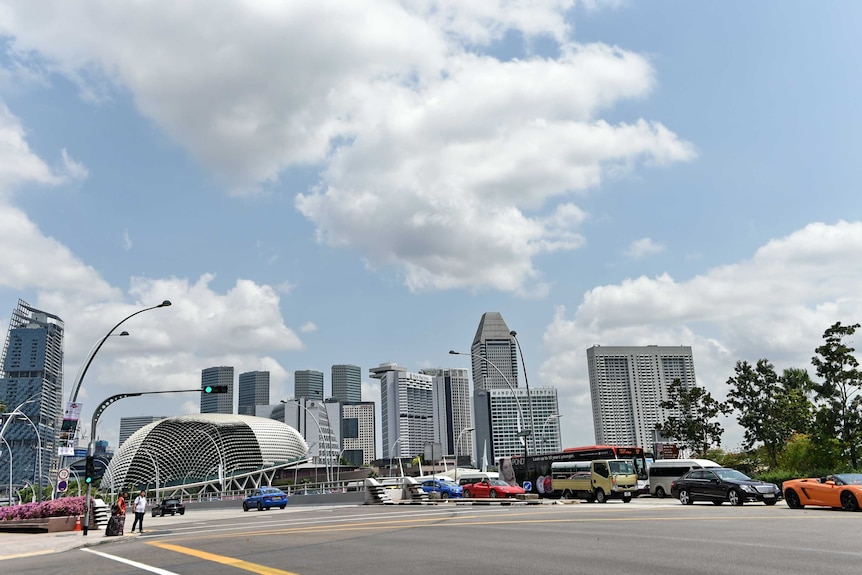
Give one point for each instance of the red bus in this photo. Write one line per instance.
(533, 472)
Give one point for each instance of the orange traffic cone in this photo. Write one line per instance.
(78, 523)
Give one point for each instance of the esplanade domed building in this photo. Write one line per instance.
(205, 453)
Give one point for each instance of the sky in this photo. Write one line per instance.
(316, 182)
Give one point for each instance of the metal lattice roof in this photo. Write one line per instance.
(192, 448)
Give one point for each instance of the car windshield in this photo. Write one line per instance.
(622, 467)
(171, 501)
(447, 483)
(849, 479)
(499, 482)
(731, 474)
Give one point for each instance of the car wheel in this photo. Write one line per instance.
(244, 506)
(848, 502)
(183, 512)
(492, 494)
(685, 497)
(259, 506)
(444, 495)
(735, 497)
(154, 513)
(792, 499)
(282, 506)
(717, 502)
(567, 494)
(659, 492)
(770, 503)
(627, 499)
(467, 493)
(600, 496)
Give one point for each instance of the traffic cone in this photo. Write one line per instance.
(78, 523)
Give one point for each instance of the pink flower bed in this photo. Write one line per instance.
(57, 508)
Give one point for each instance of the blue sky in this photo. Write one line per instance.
(317, 183)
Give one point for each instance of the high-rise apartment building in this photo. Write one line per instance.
(627, 386)
(358, 437)
(217, 402)
(347, 383)
(31, 380)
(317, 422)
(453, 413)
(129, 425)
(253, 389)
(308, 383)
(406, 410)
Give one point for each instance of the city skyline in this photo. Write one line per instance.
(611, 173)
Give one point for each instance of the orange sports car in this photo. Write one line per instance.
(843, 490)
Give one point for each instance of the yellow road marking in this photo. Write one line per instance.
(230, 561)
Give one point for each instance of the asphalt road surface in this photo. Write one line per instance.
(647, 536)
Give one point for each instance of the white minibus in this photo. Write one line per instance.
(663, 471)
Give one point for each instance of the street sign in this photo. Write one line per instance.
(62, 485)
(63, 474)
(528, 486)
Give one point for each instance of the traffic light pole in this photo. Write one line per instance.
(91, 446)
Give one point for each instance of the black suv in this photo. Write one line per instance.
(169, 506)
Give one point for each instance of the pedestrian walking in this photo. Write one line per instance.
(140, 506)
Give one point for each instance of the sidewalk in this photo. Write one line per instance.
(14, 545)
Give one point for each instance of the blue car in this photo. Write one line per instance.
(265, 498)
(445, 487)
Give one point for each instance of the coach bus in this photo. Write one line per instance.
(533, 472)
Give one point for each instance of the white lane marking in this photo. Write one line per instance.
(141, 566)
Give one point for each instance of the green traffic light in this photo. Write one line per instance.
(88, 480)
(208, 389)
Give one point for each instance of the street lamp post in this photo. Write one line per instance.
(12, 415)
(156, 466)
(550, 417)
(9, 448)
(222, 466)
(91, 448)
(532, 427)
(319, 443)
(521, 433)
(38, 469)
(391, 452)
(457, 443)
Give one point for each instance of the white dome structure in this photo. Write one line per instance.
(197, 452)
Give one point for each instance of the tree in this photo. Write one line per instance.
(694, 410)
(837, 397)
(771, 408)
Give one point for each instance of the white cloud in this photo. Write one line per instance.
(775, 305)
(643, 248)
(308, 327)
(464, 156)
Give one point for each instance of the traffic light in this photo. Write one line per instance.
(215, 389)
(90, 469)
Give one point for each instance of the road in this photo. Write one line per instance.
(644, 537)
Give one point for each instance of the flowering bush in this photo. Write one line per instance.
(56, 508)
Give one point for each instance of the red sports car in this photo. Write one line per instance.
(842, 491)
(492, 488)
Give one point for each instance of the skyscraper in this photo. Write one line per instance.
(253, 390)
(406, 410)
(358, 437)
(32, 381)
(452, 410)
(496, 346)
(308, 383)
(129, 425)
(217, 402)
(347, 382)
(627, 386)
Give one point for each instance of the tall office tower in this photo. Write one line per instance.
(406, 410)
(627, 386)
(494, 344)
(452, 411)
(217, 402)
(253, 390)
(358, 437)
(31, 380)
(313, 419)
(347, 382)
(502, 422)
(308, 383)
(129, 425)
